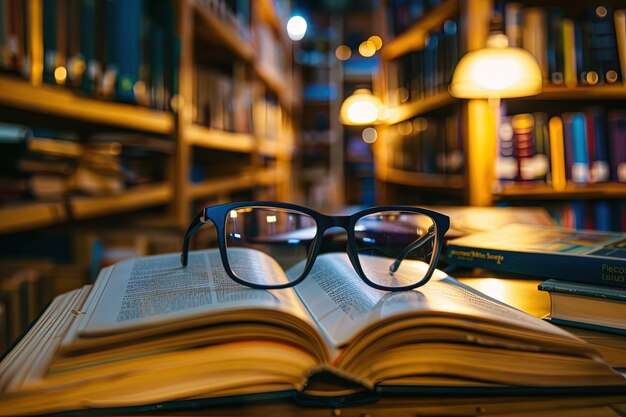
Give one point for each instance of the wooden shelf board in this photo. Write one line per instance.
(275, 83)
(417, 179)
(132, 199)
(61, 102)
(215, 30)
(18, 217)
(219, 139)
(547, 192)
(414, 38)
(418, 107)
(222, 185)
(599, 92)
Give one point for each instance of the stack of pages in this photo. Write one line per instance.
(150, 332)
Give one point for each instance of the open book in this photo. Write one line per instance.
(149, 331)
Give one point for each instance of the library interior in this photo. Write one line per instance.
(121, 120)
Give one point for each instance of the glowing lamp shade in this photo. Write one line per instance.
(361, 108)
(296, 28)
(497, 71)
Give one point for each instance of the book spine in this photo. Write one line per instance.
(584, 269)
(603, 45)
(619, 18)
(617, 144)
(524, 145)
(555, 45)
(557, 154)
(600, 169)
(534, 37)
(570, 74)
(580, 155)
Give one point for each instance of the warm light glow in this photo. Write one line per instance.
(497, 71)
(377, 41)
(361, 108)
(270, 219)
(296, 28)
(60, 75)
(343, 52)
(367, 49)
(369, 135)
(233, 214)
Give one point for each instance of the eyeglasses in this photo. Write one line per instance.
(271, 245)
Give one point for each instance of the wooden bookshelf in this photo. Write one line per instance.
(132, 199)
(416, 108)
(572, 191)
(64, 103)
(26, 216)
(214, 30)
(197, 135)
(414, 38)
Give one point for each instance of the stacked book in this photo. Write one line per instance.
(586, 269)
(44, 164)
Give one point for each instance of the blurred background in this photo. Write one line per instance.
(121, 119)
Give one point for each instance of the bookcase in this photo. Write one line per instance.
(201, 91)
(248, 39)
(454, 163)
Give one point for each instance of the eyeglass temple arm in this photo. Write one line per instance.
(193, 228)
(418, 242)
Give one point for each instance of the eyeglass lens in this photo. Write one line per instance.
(395, 248)
(267, 245)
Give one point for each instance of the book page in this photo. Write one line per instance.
(343, 305)
(156, 289)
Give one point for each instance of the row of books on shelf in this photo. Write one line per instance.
(425, 72)
(603, 215)
(226, 101)
(401, 14)
(579, 147)
(223, 101)
(50, 164)
(428, 145)
(585, 270)
(121, 50)
(584, 49)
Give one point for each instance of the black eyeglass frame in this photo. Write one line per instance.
(218, 215)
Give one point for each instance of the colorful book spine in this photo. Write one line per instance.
(580, 154)
(557, 154)
(617, 144)
(570, 74)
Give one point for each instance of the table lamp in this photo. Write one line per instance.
(493, 72)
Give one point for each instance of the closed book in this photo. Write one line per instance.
(567, 144)
(617, 144)
(127, 47)
(597, 140)
(534, 37)
(619, 18)
(552, 252)
(589, 306)
(570, 73)
(513, 23)
(580, 152)
(557, 154)
(555, 45)
(604, 54)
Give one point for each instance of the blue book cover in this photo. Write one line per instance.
(545, 251)
(127, 47)
(580, 152)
